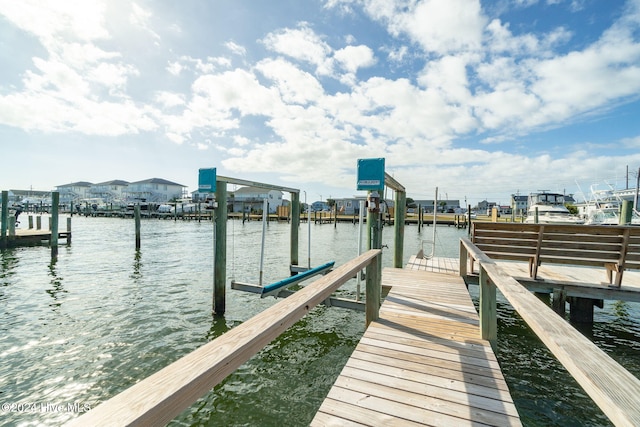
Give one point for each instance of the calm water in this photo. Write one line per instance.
(103, 316)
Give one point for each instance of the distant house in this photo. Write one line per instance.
(319, 206)
(155, 190)
(74, 192)
(519, 204)
(349, 206)
(252, 199)
(109, 191)
(485, 206)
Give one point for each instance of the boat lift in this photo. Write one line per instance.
(218, 184)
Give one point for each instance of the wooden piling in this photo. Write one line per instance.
(136, 215)
(398, 218)
(5, 219)
(626, 213)
(68, 230)
(295, 225)
(488, 310)
(581, 310)
(38, 222)
(55, 205)
(220, 248)
(30, 222)
(559, 301)
(373, 291)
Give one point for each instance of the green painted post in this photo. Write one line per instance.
(55, 203)
(626, 213)
(398, 220)
(136, 215)
(295, 226)
(220, 249)
(5, 219)
(488, 312)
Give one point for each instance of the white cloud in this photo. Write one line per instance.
(295, 85)
(170, 99)
(175, 68)
(440, 26)
(302, 44)
(236, 48)
(351, 58)
(140, 17)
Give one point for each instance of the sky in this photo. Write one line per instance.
(481, 99)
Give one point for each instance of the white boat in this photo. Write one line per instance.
(550, 209)
(604, 208)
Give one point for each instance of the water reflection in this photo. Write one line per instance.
(8, 264)
(621, 309)
(57, 289)
(137, 267)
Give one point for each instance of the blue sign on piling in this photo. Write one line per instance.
(207, 180)
(370, 174)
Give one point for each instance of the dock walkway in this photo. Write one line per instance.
(422, 362)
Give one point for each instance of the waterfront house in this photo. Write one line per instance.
(74, 192)
(318, 206)
(249, 199)
(109, 191)
(349, 206)
(154, 190)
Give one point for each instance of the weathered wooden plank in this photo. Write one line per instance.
(422, 361)
(440, 368)
(389, 383)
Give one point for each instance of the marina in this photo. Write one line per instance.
(172, 313)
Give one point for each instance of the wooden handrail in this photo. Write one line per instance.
(159, 398)
(614, 389)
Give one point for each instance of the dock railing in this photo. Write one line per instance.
(158, 399)
(614, 389)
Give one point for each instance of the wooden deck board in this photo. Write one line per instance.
(422, 362)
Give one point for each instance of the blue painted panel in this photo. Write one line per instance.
(370, 174)
(207, 180)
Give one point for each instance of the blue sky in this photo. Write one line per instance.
(482, 99)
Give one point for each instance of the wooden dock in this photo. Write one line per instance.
(422, 362)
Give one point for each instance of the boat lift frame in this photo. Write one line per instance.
(220, 224)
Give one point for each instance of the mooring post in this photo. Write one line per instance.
(559, 301)
(295, 225)
(373, 290)
(463, 260)
(136, 214)
(5, 218)
(30, 222)
(68, 230)
(626, 212)
(398, 226)
(38, 222)
(220, 249)
(55, 204)
(488, 311)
